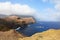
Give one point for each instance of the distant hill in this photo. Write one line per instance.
(2, 15)
(21, 15)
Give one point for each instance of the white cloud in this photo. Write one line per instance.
(55, 2)
(9, 8)
(52, 14)
(48, 15)
(57, 7)
(52, 1)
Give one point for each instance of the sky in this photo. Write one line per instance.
(42, 10)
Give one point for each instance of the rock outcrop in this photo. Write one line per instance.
(15, 22)
(17, 19)
(47, 35)
(8, 24)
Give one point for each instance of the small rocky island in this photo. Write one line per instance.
(10, 23)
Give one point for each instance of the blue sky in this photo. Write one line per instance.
(36, 4)
(42, 10)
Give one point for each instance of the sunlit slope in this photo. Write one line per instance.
(47, 35)
(10, 35)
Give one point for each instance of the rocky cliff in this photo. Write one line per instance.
(8, 24)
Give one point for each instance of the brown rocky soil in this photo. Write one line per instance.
(9, 23)
(10, 35)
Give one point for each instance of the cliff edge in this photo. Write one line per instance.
(9, 24)
(46, 35)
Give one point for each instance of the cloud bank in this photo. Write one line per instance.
(48, 14)
(9, 8)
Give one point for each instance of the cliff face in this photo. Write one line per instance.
(20, 20)
(47, 35)
(9, 23)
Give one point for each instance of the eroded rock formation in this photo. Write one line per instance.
(15, 22)
(8, 24)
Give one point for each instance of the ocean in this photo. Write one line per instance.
(39, 27)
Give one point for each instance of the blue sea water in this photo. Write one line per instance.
(40, 27)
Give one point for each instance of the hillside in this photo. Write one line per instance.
(47, 35)
(10, 23)
(10, 35)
